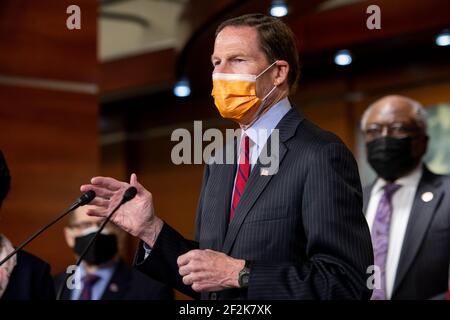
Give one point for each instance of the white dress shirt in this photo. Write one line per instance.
(260, 131)
(402, 202)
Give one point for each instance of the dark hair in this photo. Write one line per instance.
(276, 40)
(5, 178)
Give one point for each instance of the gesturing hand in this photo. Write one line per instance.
(136, 217)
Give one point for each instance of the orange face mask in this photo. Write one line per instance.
(235, 95)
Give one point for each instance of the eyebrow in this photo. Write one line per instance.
(230, 56)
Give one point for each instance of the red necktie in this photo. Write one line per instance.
(243, 173)
(88, 282)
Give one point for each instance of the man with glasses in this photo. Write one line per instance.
(407, 207)
(102, 274)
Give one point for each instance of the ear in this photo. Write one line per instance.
(281, 73)
(69, 236)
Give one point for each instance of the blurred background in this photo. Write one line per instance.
(104, 100)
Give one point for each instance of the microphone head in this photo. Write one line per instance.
(87, 197)
(129, 194)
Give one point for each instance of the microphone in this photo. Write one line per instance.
(128, 195)
(85, 198)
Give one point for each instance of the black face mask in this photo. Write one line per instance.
(391, 157)
(103, 249)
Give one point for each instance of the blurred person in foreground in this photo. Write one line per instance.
(23, 276)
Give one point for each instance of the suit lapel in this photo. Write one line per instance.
(219, 188)
(225, 176)
(118, 285)
(366, 196)
(258, 181)
(421, 216)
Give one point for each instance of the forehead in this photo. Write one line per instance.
(391, 111)
(237, 40)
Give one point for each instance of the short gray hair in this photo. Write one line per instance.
(420, 114)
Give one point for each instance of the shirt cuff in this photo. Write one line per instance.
(147, 250)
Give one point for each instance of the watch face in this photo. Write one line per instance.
(245, 279)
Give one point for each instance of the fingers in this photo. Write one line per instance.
(189, 268)
(108, 183)
(187, 257)
(193, 277)
(97, 211)
(190, 262)
(99, 202)
(134, 182)
(99, 191)
(188, 280)
(133, 179)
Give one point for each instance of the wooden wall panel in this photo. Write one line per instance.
(50, 142)
(146, 70)
(49, 136)
(35, 41)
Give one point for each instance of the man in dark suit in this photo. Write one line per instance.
(102, 274)
(295, 232)
(408, 206)
(23, 276)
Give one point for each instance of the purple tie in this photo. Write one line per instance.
(88, 282)
(380, 237)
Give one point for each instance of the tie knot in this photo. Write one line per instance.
(390, 189)
(90, 279)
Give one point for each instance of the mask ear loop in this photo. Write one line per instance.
(264, 99)
(262, 72)
(261, 107)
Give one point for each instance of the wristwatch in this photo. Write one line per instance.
(244, 275)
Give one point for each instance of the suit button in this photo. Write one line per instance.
(213, 296)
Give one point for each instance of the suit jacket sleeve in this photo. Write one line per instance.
(161, 264)
(338, 245)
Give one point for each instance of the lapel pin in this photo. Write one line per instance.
(113, 287)
(264, 172)
(427, 196)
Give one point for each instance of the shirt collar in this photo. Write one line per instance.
(410, 180)
(260, 131)
(103, 272)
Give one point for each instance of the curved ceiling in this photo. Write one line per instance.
(133, 27)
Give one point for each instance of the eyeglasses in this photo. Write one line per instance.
(396, 130)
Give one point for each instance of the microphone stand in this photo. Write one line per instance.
(81, 201)
(129, 194)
